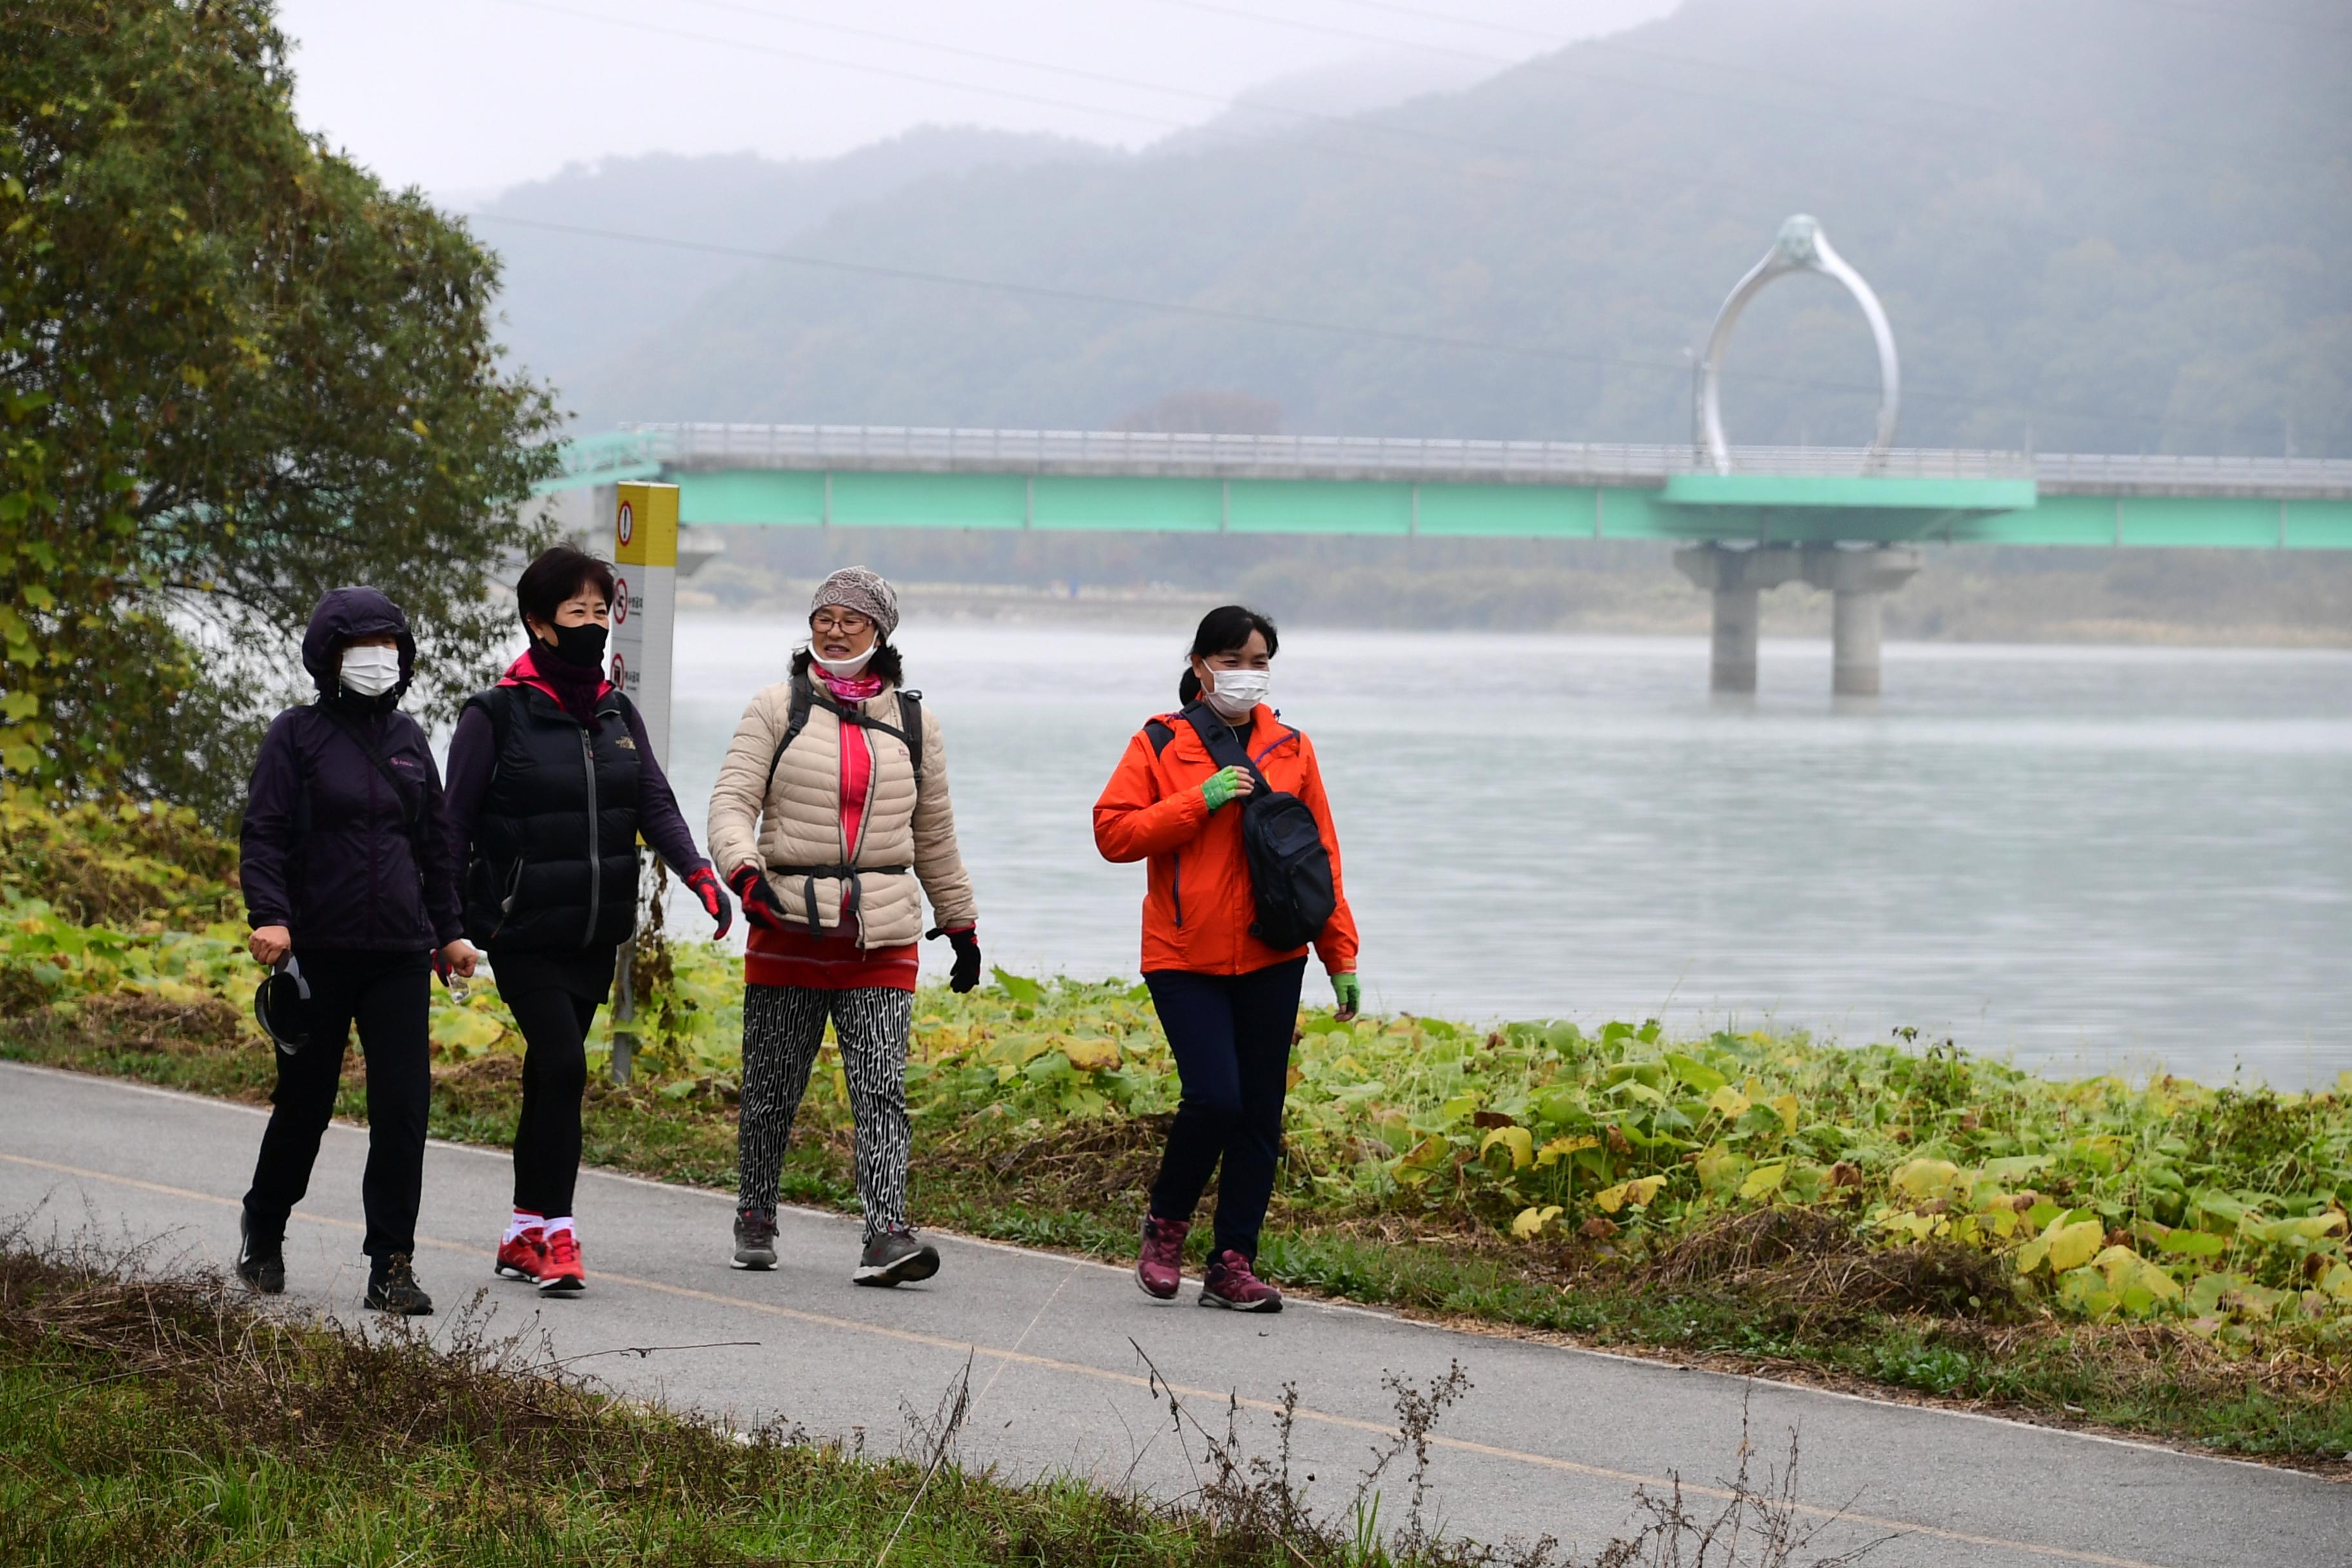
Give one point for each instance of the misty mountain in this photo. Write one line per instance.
(572, 303)
(1379, 77)
(2077, 250)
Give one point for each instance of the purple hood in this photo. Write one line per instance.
(348, 613)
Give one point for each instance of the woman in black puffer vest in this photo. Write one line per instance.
(552, 781)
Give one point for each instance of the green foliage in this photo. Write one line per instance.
(234, 371)
(119, 863)
(2093, 1191)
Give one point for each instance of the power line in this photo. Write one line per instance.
(1126, 301)
(1615, 46)
(1225, 100)
(2248, 14)
(1524, 350)
(1450, 169)
(1553, 67)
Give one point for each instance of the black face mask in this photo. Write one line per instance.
(582, 645)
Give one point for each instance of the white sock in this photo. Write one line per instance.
(562, 1222)
(523, 1220)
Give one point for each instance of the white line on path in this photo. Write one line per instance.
(1015, 1355)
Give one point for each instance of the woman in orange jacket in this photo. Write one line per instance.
(1228, 1002)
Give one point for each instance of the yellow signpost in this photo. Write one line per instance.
(644, 617)
(644, 604)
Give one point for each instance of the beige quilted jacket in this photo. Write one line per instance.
(796, 820)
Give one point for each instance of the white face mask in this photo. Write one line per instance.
(844, 669)
(370, 671)
(1237, 691)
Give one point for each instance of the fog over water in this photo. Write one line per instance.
(2092, 858)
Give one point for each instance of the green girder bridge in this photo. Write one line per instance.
(1850, 521)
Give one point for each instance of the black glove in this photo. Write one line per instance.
(761, 905)
(965, 975)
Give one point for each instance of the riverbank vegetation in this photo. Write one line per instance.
(2162, 1256)
(172, 1422)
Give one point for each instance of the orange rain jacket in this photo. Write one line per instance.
(1198, 904)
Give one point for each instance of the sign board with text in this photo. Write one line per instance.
(645, 602)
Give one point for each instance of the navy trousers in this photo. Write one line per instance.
(387, 995)
(1231, 1034)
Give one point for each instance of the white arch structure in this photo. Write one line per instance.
(1800, 247)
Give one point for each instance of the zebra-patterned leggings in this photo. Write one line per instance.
(782, 1027)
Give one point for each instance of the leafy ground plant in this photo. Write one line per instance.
(167, 1421)
(2158, 1256)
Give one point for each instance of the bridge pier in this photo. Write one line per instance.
(1858, 582)
(1737, 576)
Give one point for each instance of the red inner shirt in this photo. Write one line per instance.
(834, 963)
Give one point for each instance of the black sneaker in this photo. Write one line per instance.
(896, 1257)
(755, 1238)
(260, 1264)
(392, 1288)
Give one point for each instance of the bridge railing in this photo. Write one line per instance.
(637, 448)
(1274, 457)
(2108, 474)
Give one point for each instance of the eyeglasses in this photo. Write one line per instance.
(848, 622)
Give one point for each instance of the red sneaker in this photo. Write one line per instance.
(1231, 1284)
(560, 1274)
(1161, 1267)
(522, 1258)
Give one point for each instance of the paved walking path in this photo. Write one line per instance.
(1548, 1441)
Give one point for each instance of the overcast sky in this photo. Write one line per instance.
(465, 97)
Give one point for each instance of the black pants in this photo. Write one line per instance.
(555, 1023)
(1231, 1034)
(387, 995)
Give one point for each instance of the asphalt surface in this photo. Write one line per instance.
(1546, 1441)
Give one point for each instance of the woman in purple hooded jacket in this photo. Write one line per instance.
(350, 890)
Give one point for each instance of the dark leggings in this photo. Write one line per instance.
(554, 1025)
(387, 995)
(1231, 1034)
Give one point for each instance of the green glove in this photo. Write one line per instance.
(1348, 992)
(1223, 785)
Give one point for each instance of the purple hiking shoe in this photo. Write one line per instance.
(1231, 1284)
(1159, 1269)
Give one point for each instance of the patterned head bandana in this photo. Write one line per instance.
(855, 588)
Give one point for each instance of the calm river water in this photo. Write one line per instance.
(2091, 858)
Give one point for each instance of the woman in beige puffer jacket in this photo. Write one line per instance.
(831, 820)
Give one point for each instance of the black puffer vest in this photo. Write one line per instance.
(555, 856)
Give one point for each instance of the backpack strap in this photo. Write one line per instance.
(497, 703)
(410, 812)
(1223, 749)
(1158, 733)
(908, 728)
(795, 720)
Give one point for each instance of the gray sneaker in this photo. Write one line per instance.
(896, 1257)
(755, 1238)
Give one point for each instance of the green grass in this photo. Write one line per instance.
(998, 1182)
(175, 1423)
(2161, 1257)
(163, 1423)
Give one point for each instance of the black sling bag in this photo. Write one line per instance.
(1290, 869)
